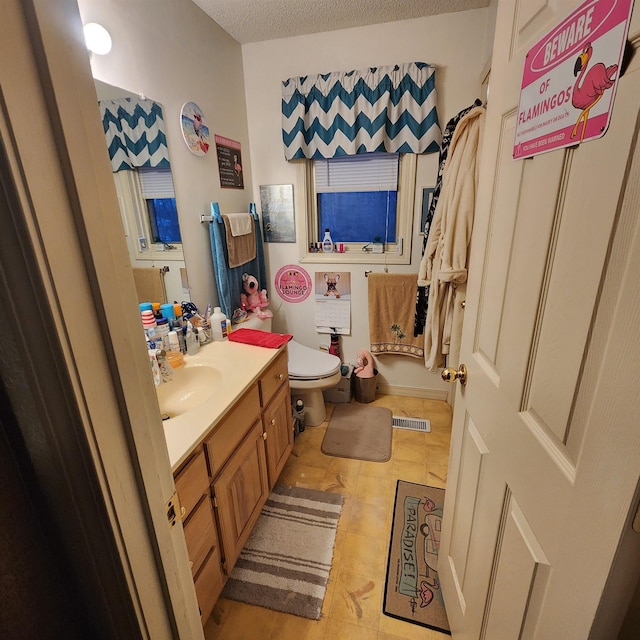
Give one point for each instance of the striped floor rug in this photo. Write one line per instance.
(286, 562)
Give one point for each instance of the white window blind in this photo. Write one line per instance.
(156, 183)
(367, 172)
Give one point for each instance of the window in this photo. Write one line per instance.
(157, 190)
(361, 199)
(149, 213)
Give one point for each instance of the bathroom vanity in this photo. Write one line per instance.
(226, 454)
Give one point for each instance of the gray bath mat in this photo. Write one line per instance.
(359, 431)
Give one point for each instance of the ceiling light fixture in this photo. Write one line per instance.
(97, 38)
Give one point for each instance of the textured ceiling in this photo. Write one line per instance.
(256, 20)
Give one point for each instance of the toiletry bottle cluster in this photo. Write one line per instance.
(181, 329)
(327, 245)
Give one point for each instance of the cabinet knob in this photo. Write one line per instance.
(280, 376)
(264, 435)
(183, 512)
(272, 422)
(190, 564)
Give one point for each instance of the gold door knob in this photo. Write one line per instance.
(264, 435)
(280, 376)
(451, 375)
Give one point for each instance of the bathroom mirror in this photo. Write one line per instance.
(148, 208)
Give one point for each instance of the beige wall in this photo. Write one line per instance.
(457, 44)
(173, 53)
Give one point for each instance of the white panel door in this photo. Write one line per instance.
(545, 446)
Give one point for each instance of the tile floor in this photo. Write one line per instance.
(362, 540)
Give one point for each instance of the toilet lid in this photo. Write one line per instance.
(309, 364)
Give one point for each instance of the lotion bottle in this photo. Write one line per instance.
(219, 325)
(327, 242)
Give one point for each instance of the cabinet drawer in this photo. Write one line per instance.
(230, 432)
(192, 482)
(209, 583)
(273, 377)
(200, 533)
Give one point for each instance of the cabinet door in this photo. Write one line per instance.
(278, 427)
(240, 491)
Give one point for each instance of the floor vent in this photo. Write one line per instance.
(412, 424)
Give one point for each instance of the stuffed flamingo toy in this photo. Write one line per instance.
(364, 368)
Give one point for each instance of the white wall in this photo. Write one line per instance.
(172, 52)
(458, 44)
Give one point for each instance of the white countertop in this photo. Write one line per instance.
(241, 365)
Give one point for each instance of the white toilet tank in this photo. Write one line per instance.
(253, 322)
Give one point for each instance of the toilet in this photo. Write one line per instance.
(311, 371)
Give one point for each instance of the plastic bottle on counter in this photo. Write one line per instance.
(174, 343)
(219, 325)
(162, 332)
(191, 340)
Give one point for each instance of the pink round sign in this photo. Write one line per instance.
(293, 283)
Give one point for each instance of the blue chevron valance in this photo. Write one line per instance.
(135, 133)
(389, 109)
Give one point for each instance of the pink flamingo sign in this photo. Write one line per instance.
(570, 79)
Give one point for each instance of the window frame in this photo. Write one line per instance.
(394, 252)
(135, 218)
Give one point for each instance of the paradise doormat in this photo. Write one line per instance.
(286, 561)
(359, 431)
(412, 589)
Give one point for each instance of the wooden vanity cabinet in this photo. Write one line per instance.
(226, 481)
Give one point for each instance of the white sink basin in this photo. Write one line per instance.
(191, 386)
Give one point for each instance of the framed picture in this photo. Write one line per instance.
(278, 216)
(427, 196)
(229, 162)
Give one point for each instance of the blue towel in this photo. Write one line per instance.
(229, 281)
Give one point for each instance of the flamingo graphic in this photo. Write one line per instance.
(589, 87)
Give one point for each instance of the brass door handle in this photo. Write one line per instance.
(451, 375)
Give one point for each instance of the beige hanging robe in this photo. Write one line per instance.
(444, 264)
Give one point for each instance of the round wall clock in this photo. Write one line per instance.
(194, 128)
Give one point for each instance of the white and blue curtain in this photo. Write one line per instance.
(390, 109)
(135, 133)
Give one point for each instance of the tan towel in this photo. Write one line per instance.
(392, 303)
(240, 223)
(149, 284)
(241, 249)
